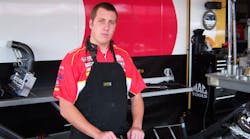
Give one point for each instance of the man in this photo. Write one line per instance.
(93, 84)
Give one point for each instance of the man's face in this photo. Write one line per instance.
(103, 27)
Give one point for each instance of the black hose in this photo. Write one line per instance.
(27, 54)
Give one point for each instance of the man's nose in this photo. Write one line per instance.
(107, 26)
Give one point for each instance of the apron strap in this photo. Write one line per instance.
(93, 55)
(112, 49)
(92, 48)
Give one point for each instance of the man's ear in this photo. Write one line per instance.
(90, 24)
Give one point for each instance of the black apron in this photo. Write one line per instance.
(103, 101)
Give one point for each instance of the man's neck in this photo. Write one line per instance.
(103, 47)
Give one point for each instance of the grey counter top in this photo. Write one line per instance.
(228, 82)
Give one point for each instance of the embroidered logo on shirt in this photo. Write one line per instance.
(107, 84)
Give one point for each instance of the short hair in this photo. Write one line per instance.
(104, 5)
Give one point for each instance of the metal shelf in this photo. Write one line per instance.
(45, 95)
(166, 92)
(228, 82)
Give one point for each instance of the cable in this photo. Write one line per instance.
(206, 109)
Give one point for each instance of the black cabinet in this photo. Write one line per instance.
(208, 104)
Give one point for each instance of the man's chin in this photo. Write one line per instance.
(104, 41)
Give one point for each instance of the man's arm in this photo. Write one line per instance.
(137, 107)
(73, 116)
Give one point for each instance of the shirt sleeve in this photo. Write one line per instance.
(66, 82)
(134, 78)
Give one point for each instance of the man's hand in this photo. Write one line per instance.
(135, 133)
(106, 135)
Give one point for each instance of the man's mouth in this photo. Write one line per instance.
(105, 34)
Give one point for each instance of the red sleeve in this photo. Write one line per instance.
(66, 82)
(134, 78)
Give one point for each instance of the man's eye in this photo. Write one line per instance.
(101, 21)
(112, 22)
